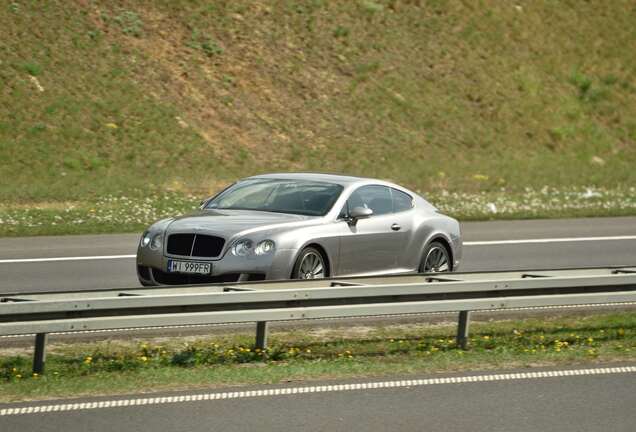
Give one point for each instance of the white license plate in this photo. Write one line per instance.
(189, 267)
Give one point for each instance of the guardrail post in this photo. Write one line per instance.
(39, 354)
(462, 329)
(261, 335)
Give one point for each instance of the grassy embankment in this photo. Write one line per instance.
(120, 367)
(471, 105)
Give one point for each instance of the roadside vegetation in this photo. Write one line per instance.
(119, 367)
(113, 214)
(141, 99)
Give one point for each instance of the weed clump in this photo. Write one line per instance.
(205, 43)
(130, 23)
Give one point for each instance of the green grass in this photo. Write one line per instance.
(119, 367)
(110, 214)
(136, 98)
(116, 214)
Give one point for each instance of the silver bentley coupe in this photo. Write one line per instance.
(300, 226)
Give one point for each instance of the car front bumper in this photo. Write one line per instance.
(152, 267)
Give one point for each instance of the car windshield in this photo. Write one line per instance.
(280, 196)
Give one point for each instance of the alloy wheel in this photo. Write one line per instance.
(436, 260)
(312, 266)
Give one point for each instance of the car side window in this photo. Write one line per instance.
(344, 213)
(401, 201)
(375, 197)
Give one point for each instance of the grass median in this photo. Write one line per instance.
(119, 214)
(124, 367)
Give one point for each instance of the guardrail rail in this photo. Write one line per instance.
(261, 302)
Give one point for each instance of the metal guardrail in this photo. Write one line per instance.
(44, 313)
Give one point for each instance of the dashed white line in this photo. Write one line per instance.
(468, 243)
(35, 409)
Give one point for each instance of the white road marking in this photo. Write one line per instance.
(33, 409)
(77, 258)
(548, 240)
(468, 243)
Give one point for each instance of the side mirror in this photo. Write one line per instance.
(359, 213)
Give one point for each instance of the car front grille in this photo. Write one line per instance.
(197, 245)
(180, 244)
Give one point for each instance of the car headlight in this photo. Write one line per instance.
(242, 247)
(265, 247)
(156, 242)
(145, 239)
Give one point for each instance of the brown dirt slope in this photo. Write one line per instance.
(128, 96)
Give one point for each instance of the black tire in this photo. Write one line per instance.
(310, 264)
(144, 283)
(436, 259)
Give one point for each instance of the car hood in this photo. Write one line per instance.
(229, 223)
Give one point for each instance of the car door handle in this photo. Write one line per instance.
(395, 227)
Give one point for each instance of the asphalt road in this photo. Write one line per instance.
(120, 272)
(571, 403)
(505, 402)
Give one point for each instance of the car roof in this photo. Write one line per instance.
(343, 180)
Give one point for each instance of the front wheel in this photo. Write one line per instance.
(435, 259)
(309, 265)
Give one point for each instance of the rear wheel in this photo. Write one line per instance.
(435, 259)
(310, 265)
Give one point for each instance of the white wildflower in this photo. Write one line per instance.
(35, 81)
(590, 193)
